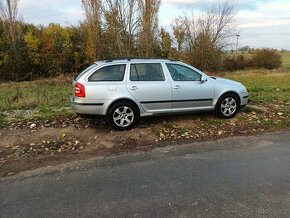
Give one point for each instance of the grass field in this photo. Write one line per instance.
(46, 93)
(264, 86)
(285, 59)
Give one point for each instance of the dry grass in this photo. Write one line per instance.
(265, 86)
(40, 93)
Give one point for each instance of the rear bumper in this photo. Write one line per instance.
(87, 108)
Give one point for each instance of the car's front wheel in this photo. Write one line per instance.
(123, 115)
(227, 106)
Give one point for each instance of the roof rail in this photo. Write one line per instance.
(138, 58)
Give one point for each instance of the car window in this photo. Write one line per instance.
(146, 72)
(182, 73)
(86, 70)
(109, 73)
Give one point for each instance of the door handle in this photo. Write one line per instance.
(177, 87)
(134, 88)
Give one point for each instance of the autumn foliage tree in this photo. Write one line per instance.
(203, 38)
(119, 28)
(12, 39)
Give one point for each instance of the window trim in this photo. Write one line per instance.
(88, 69)
(185, 67)
(88, 78)
(162, 70)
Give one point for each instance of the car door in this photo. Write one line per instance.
(189, 92)
(148, 84)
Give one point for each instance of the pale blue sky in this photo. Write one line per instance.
(261, 23)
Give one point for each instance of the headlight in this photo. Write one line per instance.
(243, 90)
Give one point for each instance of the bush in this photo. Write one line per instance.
(266, 58)
(259, 58)
(237, 63)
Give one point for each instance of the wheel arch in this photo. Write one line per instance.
(123, 100)
(233, 93)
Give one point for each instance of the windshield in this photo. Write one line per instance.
(86, 70)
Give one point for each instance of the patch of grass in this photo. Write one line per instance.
(214, 122)
(48, 112)
(2, 120)
(249, 109)
(168, 126)
(32, 95)
(275, 124)
(265, 86)
(155, 131)
(240, 118)
(285, 59)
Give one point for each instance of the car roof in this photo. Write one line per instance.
(132, 60)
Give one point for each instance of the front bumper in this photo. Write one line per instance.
(244, 100)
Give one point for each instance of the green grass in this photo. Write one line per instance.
(48, 112)
(267, 86)
(251, 109)
(273, 124)
(285, 59)
(2, 120)
(33, 95)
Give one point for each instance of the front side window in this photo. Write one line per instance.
(109, 73)
(146, 72)
(182, 73)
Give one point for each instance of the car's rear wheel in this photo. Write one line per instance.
(227, 106)
(123, 115)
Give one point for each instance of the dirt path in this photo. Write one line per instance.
(26, 145)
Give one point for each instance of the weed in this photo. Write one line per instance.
(275, 124)
(2, 120)
(249, 109)
(155, 131)
(214, 122)
(168, 126)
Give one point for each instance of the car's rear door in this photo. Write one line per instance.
(148, 84)
(188, 91)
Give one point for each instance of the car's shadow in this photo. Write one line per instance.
(100, 123)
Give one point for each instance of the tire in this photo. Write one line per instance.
(123, 115)
(227, 106)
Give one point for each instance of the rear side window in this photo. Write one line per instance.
(146, 72)
(109, 73)
(86, 70)
(182, 73)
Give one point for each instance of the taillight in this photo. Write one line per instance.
(80, 90)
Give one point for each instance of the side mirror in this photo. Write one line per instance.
(203, 79)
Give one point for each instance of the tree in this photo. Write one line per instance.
(165, 43)
(93, 12)
(121, 22)
(149, 26)
(13, 38)
(179, 34)
(207, 35)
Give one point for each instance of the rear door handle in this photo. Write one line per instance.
(177, 87)
(134, 88)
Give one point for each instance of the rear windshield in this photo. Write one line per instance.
(86, 70)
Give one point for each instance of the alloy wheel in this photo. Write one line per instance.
(123, 116)
(228, 106)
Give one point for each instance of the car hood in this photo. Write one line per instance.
(227, 82)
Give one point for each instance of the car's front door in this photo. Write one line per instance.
(148, 84)
(188, 90)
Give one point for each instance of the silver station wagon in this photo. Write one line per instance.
(125, 89)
